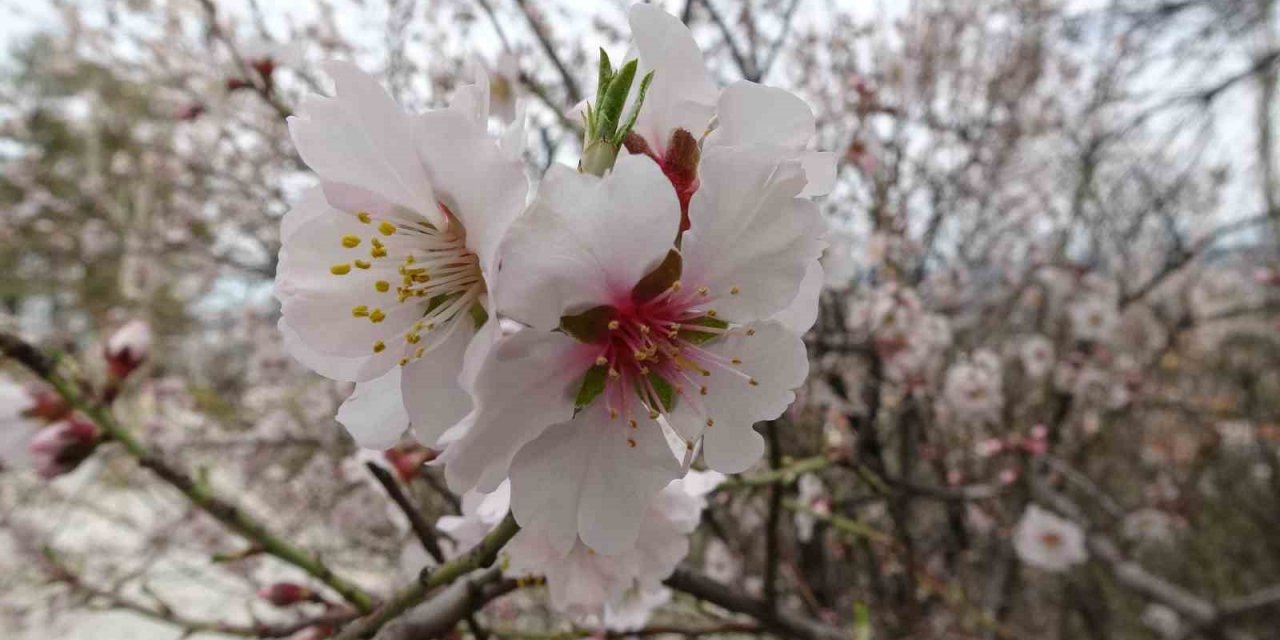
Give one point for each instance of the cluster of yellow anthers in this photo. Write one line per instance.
(436, 271)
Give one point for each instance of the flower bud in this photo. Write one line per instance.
(128, 348)
(45, 405)
(61, 447)
(408, 459)
(284, 594)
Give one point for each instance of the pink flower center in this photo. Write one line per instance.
(653, 356)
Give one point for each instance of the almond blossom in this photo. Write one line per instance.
(1047, 541)
(18, 424)
(384, 268)
(629, 335)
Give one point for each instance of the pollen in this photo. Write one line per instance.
(386, 228)
(711, 313)
(340, 269)
(382, 286)
(404, 361)
(733, 291)
(360, 312)
(364, 216)
(363, 264)
(350, 241)
(377, 315)
(379, 347)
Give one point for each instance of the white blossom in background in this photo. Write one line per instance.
(577, 417)
(1164, 621)
(1047, 541)
(814, 496)
(17, 425)
(1036, 354)
(972, 391)
(384, 266)
(1149, 525)
(1094, 319)
(128, 347)
(481, 512)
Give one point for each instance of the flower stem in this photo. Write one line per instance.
(197, 491)
(432, 578)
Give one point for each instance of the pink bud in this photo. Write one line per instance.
(46, 404)
(408, 459)
(61, 447)
(127, 348)
(1008, 476)
(284, 594)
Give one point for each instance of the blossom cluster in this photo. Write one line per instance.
(573, 349)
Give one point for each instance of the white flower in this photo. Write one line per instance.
(691, 345)
(682, 97)
(384, 266)
(128, 347)
(973, 387)
(1047, 541)
(1094, 319)
(811, 495)
(17, 426)
(1036, 354)
(1148, 525)
(621, 588)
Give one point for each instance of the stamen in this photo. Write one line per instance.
(386, 228)
(364, 216)
(341, 269)
(350, 241)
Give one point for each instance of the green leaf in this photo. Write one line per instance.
(660, 279)
(689, 332)
(592, 385)
(635, 109)
(606, 76)
(666, 393)
(614, 100)
(591, 326)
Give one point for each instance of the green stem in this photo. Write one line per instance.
(784, 475)
(196, 491)
(483, 555)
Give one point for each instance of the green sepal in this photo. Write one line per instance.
(592, 386)
(689, 332)
(479, 315)
(614, 101)
(590, 326)
(660, 279)
(606, 76)
(666, 393)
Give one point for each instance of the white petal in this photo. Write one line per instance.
(432, 393)
(586, 241)
(776, 358)
(593, 472)
(349, 369)
(483, 186)
(681, 95)
(363, 138)
(750, 233)
(374, 414)
(527, 383)
(753, 115)
(800, 315)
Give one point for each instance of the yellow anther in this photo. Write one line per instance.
(378, 252)
(409, 260)
(364, 216)
(413, 338)
(377, 315)
(419, 352)
(733, 291)
(702, 390)
(613, 325)
(711, 313)
(613, 373)
(379, 347)
(751, 332)
(702, 291)
(736, 361)
(601, 361)
(363, 264)
(349, 241)
(386, 228)
(404, 361)
(753, 382)
(382, 286)
(710, 423)
(613, 413)
(632, 423)
(631, 442)
(675, 286)
(360, 312)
